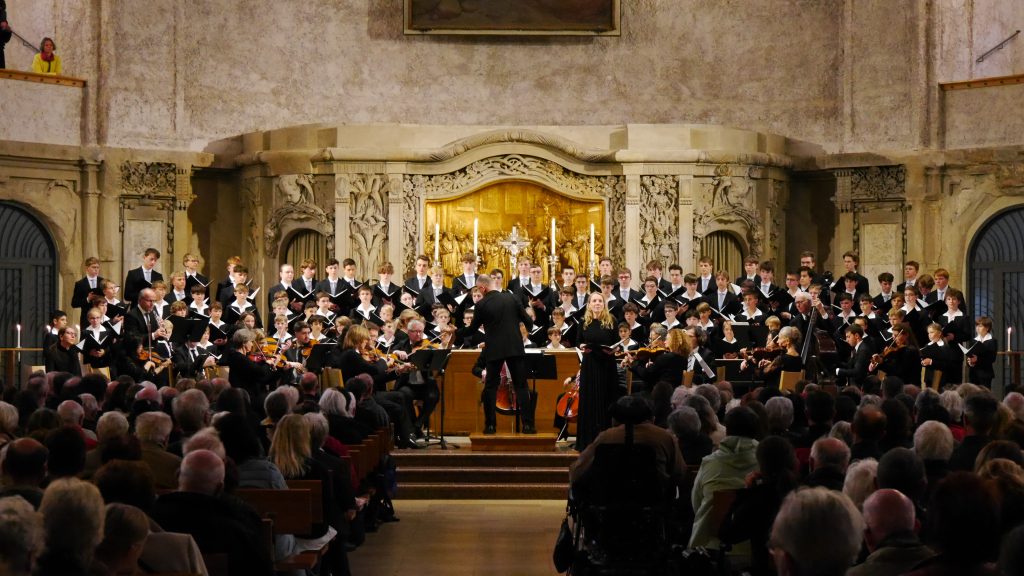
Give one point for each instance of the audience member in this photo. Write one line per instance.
(816, 532)
(724, 469)
(125, 531)
(67, 453)
(828, 462)
(192, 413)
(934, 444)
(685, 423)
(869, 425)
(111, 425)
(890, 536)
(24, 470)
(153, 429)
(21, 536)
(861, 481)
(73, 525)
(980, 414)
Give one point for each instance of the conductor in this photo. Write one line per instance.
(500, 314)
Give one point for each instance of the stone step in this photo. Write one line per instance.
(481, 475)
(469, 459)
(481, 491)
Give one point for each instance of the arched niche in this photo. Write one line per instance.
(28, 276)
(301, 244)
(725, 248)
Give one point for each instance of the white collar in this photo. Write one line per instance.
(672, 325)
(957, 314)
(757, 312)
(985, 338)
(635, 326)
(240, 308)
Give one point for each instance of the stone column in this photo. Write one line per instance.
(631, 234)
(395, 207)
(342, 211)
(90, 208)
(182, 225)
(687, 258)
(844, 231)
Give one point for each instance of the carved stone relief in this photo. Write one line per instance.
(727, 201)
(417, 187)
(295, 200)
(148, 184)
(369, 220)
(877, 189)
(659, 218)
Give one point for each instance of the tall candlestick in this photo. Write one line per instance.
(437, 243)
(591, 241)
(552, 236)
(17, 342)
(476, 231)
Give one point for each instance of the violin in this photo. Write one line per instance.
(150, 356)
(308, 348)
(568, 406)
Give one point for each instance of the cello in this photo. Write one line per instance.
(505, 400)
(568, 405)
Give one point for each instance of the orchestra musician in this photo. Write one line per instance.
(788, 361)
(663, 367)
(901, 358)
(420, 384)
(248, 368)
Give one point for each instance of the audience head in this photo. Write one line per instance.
(861, 480)
(934, 441)
(684, 422)
(291, 446)
(125, 530)
(21, 536)
(276, 405)
(999, 449)
(202, 471)
(71, 413)
(817, 531)
(776, 459)
(742, 421)
(901, 469)
(830, 453)
(964, 519)
(360, 386)
(631, 409)
(1015, 402)
(73, 517)
(154, 427)
(843, 431)
(128, 482)
(239, 439)
(333, 403)
(887, 512)
(868, 424)
(191, 411)
(8, 419)
(25, 462)
(205, 439)
(111, 425)
(820, 407)
(318, 429)
(67, 452)
(980, 412)
(780, 414)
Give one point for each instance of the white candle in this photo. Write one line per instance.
(591, 242)
(17, 342)
(552, 236)
(1009, 333)
(476, 230)
(437, 243)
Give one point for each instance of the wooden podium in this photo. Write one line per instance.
(1014, 360)
(461, 392)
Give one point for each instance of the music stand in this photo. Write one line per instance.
(538, 366)
(317, 356)
(433, 360)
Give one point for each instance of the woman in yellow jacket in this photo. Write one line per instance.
(46, 61)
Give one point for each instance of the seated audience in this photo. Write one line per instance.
(934, 444)
(153, 429)
(73, 525)
(980, 414)
(24, 470)
(21, 536)
(685, 423)
(861, 481)
(125, 531)
(828, 462)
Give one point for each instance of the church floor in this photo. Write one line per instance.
(463, 538)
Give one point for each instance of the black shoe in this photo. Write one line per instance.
(490, 429)
(419, 434)
(529, 429)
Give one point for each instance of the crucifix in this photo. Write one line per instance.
(514, 244)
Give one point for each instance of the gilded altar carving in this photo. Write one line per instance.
(546, 173)
(368, 224)
(295, 200)
(659, 218)
(727, 201)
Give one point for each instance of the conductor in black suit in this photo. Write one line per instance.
(143, 276)
(856, 370)
(500, 313)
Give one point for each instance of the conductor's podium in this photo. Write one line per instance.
(461, 390)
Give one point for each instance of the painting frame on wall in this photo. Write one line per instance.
(533, 18)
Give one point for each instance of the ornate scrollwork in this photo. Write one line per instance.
(297, 202)
(369, 222)
(878, 183)
(149, 179)
(659, 218)
(522, 136)
(615, 192)
(724, 201)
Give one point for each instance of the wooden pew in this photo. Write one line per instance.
(285, 512)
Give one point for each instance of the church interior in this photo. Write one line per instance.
(279, 131)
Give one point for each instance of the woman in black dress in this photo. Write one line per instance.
(902, 358)
(599, 385)
(788, 361)
(661, 375)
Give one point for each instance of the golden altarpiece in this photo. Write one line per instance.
(389, 193)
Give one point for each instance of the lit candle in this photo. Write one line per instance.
(591, 242)
(552, 236)
(1009, 333)
(17, 342)
(476, 231)
(437, 243)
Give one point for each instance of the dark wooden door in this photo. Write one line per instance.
(28, 280)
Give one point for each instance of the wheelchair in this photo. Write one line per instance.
(620, 512)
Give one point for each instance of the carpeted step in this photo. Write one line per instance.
(468, 459)
(482, 475)
(481, 491)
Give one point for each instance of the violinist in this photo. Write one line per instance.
(788, 361)
(357, 356)
(701, 360)
(419, 384)
(666, 368)
(901, 358)
(248, 368)
(189, 358)
(137, 361)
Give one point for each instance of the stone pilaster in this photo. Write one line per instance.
(631, 233)
(687, 250)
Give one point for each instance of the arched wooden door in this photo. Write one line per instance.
(996, 273)
(28, 277)
(725, 251)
